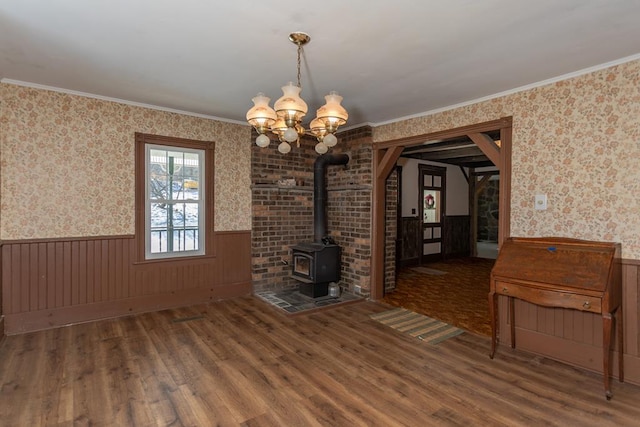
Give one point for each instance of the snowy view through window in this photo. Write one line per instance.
(174, 200)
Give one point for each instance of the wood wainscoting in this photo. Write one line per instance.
(456, 235)
(49, 283)
(575, 337)
(411, 241)
(456, 240)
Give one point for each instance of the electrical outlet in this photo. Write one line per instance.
(540, 202)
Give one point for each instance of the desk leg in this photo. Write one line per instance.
(619, 322)
(493, 315)
(512, 321)
(606, 347)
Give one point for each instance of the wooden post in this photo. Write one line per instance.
(383, 163)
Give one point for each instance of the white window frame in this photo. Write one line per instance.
(201, 202)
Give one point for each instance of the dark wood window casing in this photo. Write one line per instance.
(140, 165)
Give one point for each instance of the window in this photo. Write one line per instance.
(174, 197)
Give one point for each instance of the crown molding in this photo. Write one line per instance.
(119, 101)
(516, 90)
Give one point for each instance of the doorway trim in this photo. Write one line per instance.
(385, 156)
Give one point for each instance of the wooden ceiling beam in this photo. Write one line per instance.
(488, 147)
(388, 162)
(447, 134)
(472, 151)
(481, 184)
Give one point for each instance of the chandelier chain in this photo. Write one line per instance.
(299, 51)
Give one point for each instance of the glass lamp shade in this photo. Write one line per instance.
(290, 135)
(317, 128)
(284, 148)
(263, 141)
(330, 140)
(290, 106)
(279, 127)
(261, 116)
(321, 148)
(332, 114)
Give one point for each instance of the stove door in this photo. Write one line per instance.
(303, 265)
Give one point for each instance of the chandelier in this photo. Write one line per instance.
(284, 120)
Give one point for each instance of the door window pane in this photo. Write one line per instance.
(428, 233)
(431, 206)
(431, 248)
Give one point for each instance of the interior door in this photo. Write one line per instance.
(432, 212)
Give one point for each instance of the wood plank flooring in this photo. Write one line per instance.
(458, 297)
(242, 362)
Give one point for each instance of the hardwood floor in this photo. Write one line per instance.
(458, 297)
(241, 362)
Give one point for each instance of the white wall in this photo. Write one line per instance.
(457, 197)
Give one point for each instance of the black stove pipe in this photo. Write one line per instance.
(320, 192)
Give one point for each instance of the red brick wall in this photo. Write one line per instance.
(281, 216)
(284, 216)
(391, 232)
(349, 208)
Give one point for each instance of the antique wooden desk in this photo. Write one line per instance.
(561, 272)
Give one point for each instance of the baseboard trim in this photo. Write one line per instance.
(54, 318)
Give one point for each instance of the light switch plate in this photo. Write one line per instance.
(540, 202)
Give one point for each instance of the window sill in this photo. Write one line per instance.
(177, 260)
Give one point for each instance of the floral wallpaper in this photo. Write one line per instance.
(578, 142)
(67, 164)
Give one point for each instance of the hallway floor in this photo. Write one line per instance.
(458, 297)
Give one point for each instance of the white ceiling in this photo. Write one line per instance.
(389, 59)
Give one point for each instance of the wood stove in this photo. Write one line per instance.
(315, 265)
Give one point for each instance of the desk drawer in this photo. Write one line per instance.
(550, 298)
